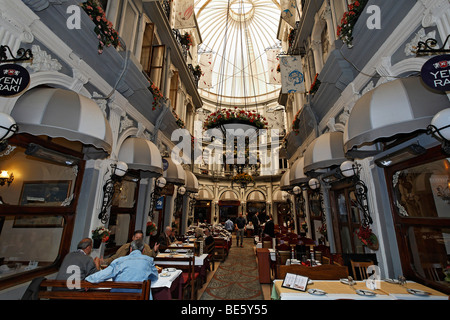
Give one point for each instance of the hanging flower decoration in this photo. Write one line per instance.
(224, 116)
(278, 68)
(106, 34)
(101, 233)
(157, 95)
(315, 85)
(348, 21)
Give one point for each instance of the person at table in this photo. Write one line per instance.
(229, 225)
(125, 249)
(134, 267)
(240, 229)
(165, 239)
(256, 224)
(78, 262)
(208, 236)
(269, 227)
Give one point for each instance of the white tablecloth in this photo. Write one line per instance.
(198, 260)
(166, 281)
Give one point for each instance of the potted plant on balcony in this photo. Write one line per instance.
(197, 71)
(157, 95)
(106, 34)
(348, 21)
(186, 40)
(315, 85)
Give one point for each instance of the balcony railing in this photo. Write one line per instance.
(166, 7)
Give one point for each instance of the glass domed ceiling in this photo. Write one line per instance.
(237, 33)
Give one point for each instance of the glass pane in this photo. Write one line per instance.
(124, 195)
(37, 182)
(423, 191)
(355, 216)
(119, 225)
(28, 243)
(343, 215)
(432, 247)
(315, 204)
(346, 240)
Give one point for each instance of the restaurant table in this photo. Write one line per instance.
(335, 290)
(201, 262)
(168, 288)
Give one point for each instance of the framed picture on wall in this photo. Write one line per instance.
(45, 193)
(39, 222)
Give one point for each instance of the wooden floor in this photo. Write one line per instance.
(266, 288)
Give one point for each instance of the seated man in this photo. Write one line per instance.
(133, 267)
(125, 249)
(78, 263)
(165, 239)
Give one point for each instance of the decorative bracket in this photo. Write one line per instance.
(427, 47)
(22, 55)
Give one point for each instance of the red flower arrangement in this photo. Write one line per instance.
(367, 237)
(348, 21)
(315, 85)
(157, 95)
(106, 34)
(224, 116)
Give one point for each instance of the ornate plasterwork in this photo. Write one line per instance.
(42, 61)
(411, 47)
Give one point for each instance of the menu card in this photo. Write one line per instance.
(295, 281)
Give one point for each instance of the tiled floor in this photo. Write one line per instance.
(266, 288)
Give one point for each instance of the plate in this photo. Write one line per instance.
(418, 292)
(394, 281)
(345, 281)
(316, 292)
(365, 292)
(169, 269)
(164, 274)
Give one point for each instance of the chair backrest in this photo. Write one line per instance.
(433, 271)
(323, 272)
(359, 269)
(283, 256)
(283, 247)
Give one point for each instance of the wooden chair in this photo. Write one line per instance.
(323, 272)
(94, 291)
(267, 242)
(359, 269)
(220, 249)
(433, 271)
(211, 251)
(190, 277)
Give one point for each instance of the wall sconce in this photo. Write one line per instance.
(440, 129)
(314, 183)
(6, 178)
(181, 191)
(160, 183)
(119, 169)
(349, 168)
(8, 127)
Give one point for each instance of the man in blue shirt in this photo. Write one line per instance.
(133, 267)
(229, 225)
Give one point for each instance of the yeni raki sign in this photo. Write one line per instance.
(436, 72)
(14, 79)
